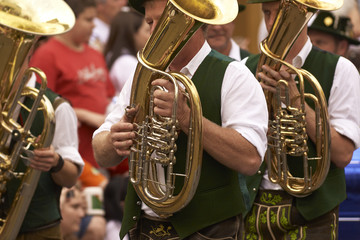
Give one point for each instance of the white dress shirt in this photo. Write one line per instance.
(235, 51)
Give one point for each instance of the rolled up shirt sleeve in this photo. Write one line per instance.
(243, 106)
(65, 139)
(344, 101)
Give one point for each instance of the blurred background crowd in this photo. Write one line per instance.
(101, 51)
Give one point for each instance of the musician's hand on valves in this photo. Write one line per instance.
(163, 101)
(122, 133)
(44, 159)
(270, 77)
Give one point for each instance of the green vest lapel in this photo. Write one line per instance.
(244, 53)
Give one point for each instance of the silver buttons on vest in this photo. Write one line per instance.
(259, 172)
(139, 204)
(254, 189)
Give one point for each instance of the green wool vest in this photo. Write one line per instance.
(322, 65)
(44, 207)
(218, 195)
(244, 53)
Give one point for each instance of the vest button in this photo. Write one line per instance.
(134, 218)
(254, 189)
(259, 172)
(138, 203)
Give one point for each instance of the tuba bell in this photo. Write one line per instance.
(287, 125)
(153, 151)
(21, 25)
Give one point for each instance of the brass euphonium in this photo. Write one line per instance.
(156, 136)
(287, 125)
(21, 25)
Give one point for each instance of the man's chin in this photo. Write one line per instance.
(217, 45)
(216, 41)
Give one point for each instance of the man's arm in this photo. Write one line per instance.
(104, 151)
(90, 118)
(45, 159)
(66, 145)
(226, 145)
(68, 175)
(110, 147)
(341, 147)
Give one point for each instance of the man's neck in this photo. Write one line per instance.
(297, 46)
(191, 48)
(226, 49)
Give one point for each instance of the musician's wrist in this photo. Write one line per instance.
(184, 121)
(58, 166)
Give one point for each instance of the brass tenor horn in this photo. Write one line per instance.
(287, 126)
(21, 25)
(156, 136)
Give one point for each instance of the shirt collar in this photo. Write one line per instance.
(192, 66)
(234, 51)
(299, 60)
(101, 23)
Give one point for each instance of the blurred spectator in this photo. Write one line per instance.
(114, 200)
(354, 52)
(354, 15)
(354, 56)
(350, 8)
(333, 33)
(93, 224)
(106, 11)
(128, 34)
(78, 73)
(72, 211)
(91, 176)
(220, 39)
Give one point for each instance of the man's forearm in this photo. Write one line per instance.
(230, 148)
(104, 152)
(67, 176)
(341, 148)
(90, 118)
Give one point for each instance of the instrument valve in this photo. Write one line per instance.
(16, 135)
